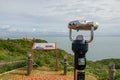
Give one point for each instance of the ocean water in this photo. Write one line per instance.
(99, 48)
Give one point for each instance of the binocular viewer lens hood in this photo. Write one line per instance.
(82, 25)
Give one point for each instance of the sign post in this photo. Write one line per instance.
(46, 46)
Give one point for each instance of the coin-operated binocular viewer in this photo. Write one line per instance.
(80, 46)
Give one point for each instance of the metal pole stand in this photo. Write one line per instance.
(81, 75)
(80, 49)
(81, 67)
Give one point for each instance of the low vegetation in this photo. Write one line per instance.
(18, 49)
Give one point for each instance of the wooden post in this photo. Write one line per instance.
(65, 65)
(29, 68)
(32, 59)
(32, 56)
(56, 52)
(112, 71)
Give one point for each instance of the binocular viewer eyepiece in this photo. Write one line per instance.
(82, 25)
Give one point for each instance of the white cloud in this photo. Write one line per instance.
(8, 28)
(4, 27)
(34, 29)
(53, 15)
(12, 30)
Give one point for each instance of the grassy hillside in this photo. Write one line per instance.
(18, 49)
(100, 68)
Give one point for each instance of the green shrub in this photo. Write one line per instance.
(3, 56)
(9, 67)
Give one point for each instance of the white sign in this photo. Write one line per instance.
(44, 46)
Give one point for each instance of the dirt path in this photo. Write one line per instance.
(52, 77)
(46, 77)
(40, 74)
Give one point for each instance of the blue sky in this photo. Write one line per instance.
(54, 15)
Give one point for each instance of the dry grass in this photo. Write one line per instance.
(40, 73)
